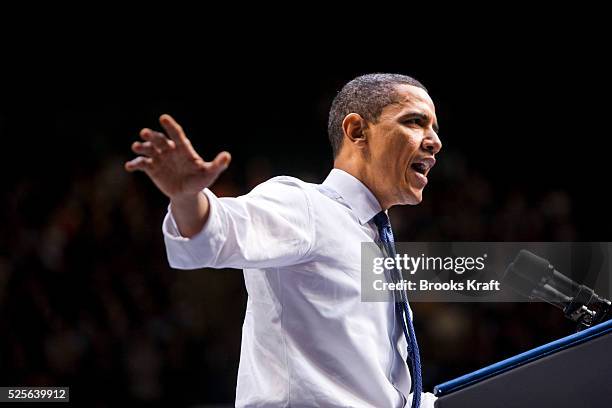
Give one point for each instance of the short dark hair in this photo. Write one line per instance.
(366, 95)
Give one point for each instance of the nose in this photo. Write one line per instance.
(432, 143)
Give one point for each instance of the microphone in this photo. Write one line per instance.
(535, 278)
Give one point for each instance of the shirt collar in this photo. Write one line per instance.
(361, 200)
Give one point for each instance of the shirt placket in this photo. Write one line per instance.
(396, 317)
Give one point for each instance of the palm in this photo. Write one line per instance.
(173, 164)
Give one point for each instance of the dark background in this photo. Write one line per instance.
(86, 295)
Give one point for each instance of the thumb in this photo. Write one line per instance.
(222, 161)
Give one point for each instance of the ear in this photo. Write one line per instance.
(354, 128)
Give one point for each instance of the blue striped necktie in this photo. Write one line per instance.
(386, 236)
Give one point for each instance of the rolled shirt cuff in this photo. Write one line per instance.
(198, 251)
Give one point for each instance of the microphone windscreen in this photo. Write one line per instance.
(532, 267)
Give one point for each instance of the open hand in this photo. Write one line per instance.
(171, 162)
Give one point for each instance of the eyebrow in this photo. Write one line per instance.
(423, 117)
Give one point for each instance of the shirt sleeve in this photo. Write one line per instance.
(272, 226)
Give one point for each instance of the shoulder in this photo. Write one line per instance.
(284, 185)
(283, 190)
(293, 194)
(285, 181)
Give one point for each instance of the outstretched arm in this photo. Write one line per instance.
(179, 172)
(270, 226)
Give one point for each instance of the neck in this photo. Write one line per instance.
(362, 174)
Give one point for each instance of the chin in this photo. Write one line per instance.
(416, 201)
(414, 198)
(412, 194)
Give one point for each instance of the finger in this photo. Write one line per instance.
(139, 163)
(145, 149)
(173, 129)
(158, 139)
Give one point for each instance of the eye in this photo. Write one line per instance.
(412, 122)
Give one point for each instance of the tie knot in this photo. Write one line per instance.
(381, 220)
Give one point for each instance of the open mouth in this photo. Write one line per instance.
(419, 168)
(423, 165)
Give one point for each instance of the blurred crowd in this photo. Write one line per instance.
(87, 299)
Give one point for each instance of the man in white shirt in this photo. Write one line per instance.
(308, 340)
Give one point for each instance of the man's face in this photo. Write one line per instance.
(402, 146)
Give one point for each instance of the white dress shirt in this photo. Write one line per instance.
(307, 340)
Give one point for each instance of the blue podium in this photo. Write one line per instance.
(574, 371)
